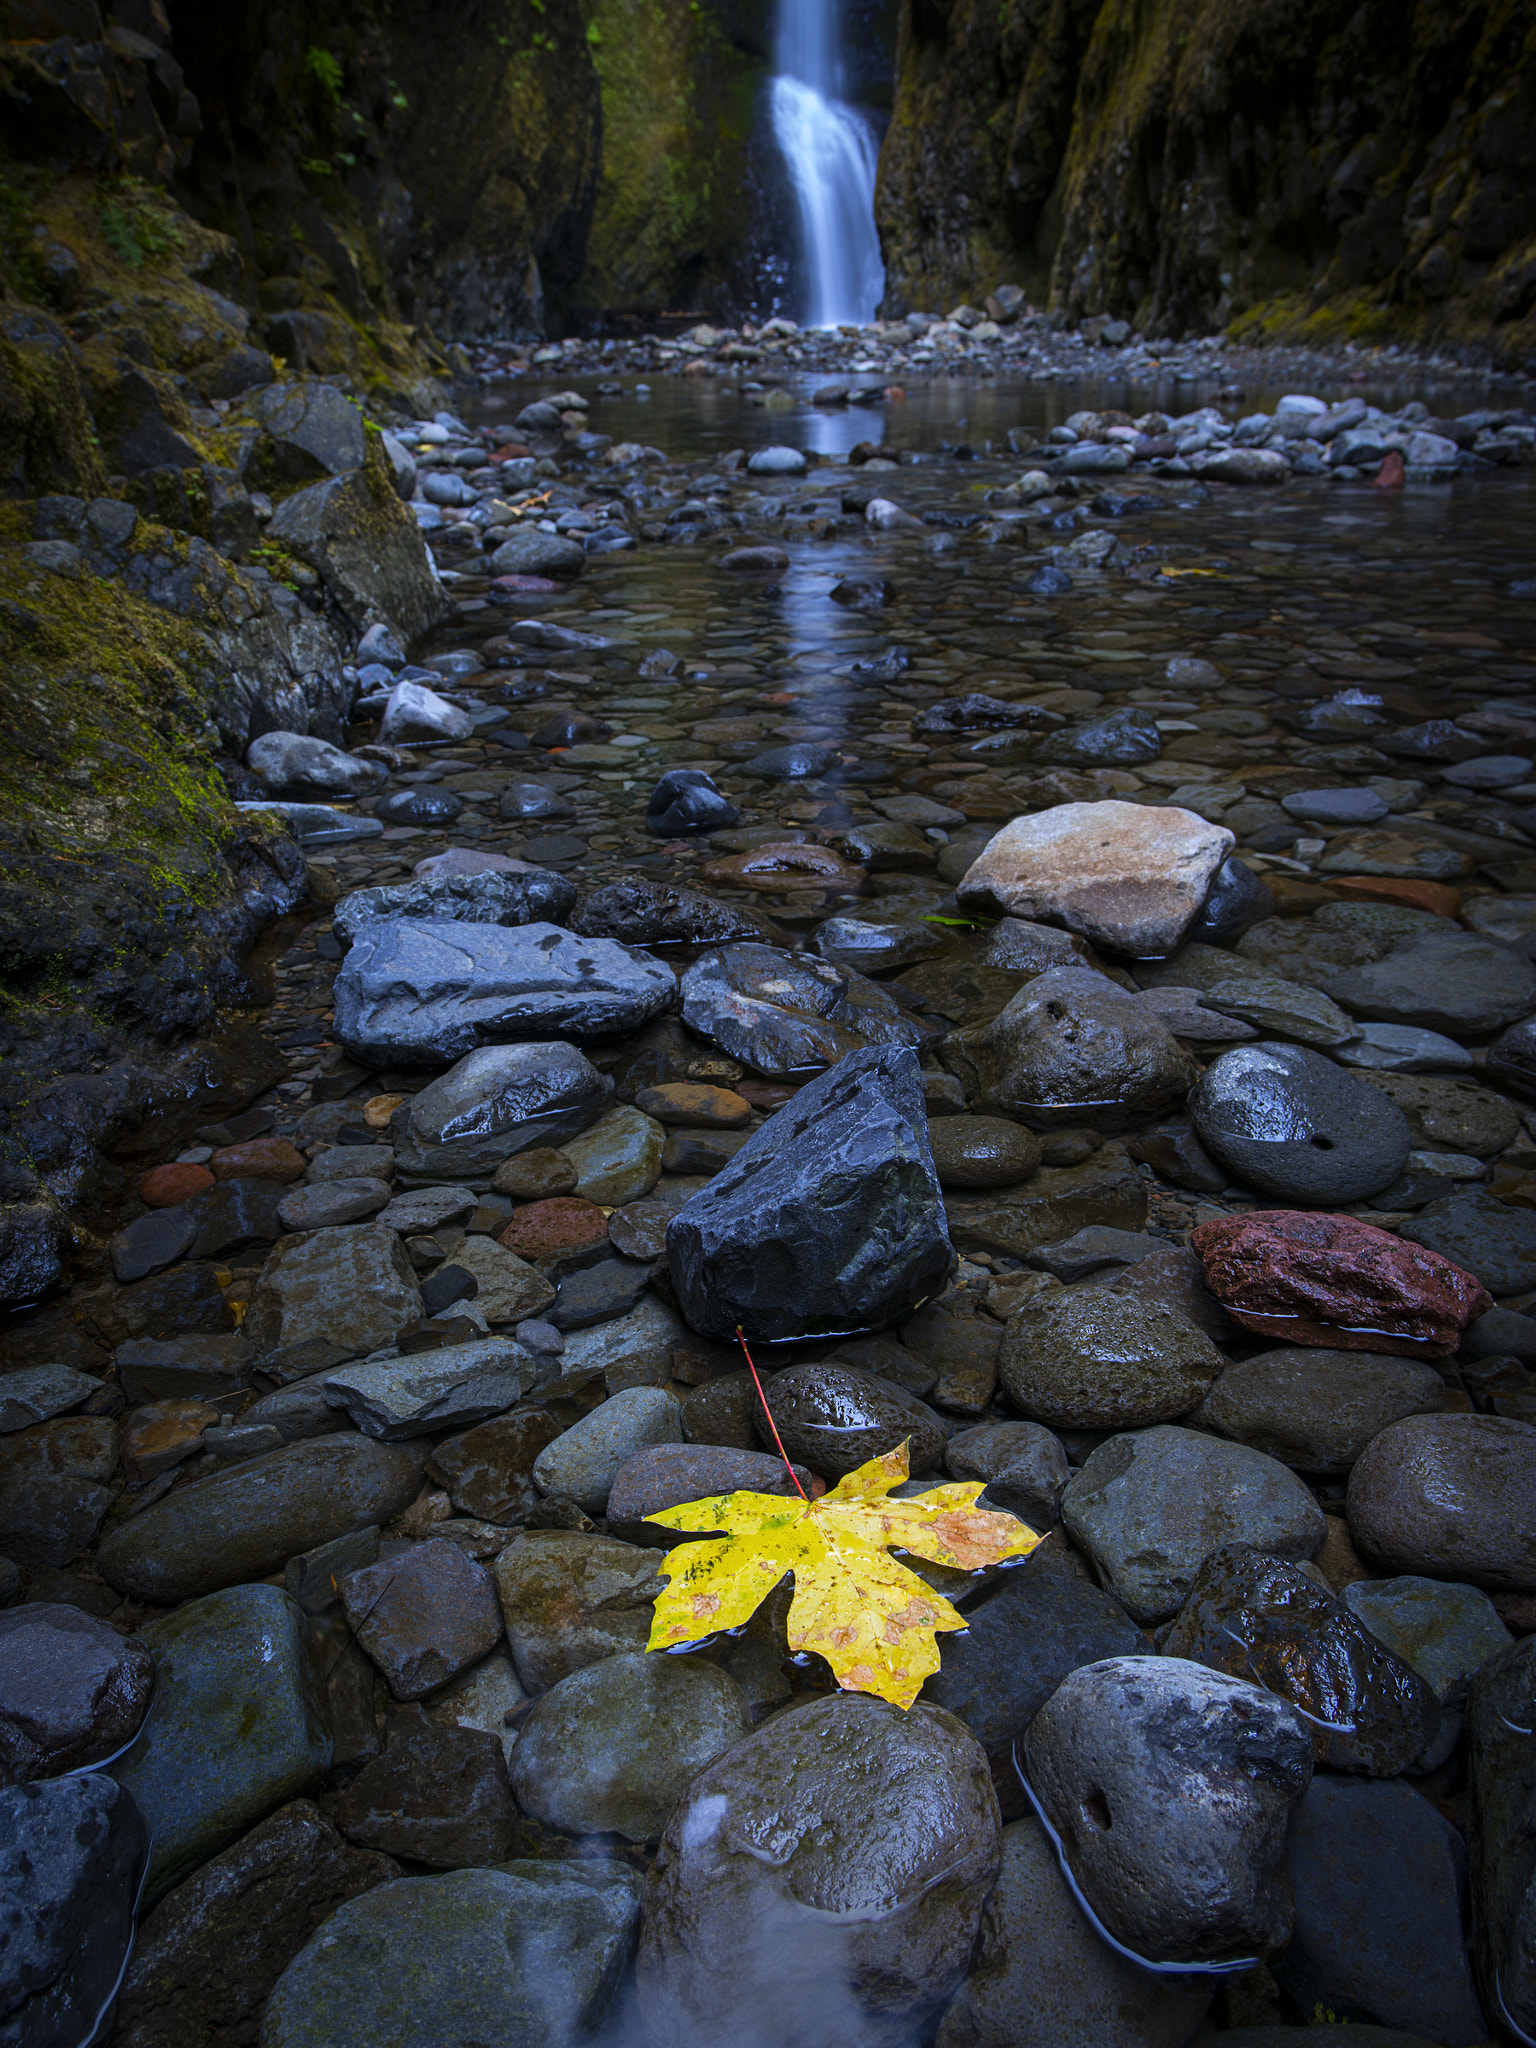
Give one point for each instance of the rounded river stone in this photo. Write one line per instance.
(1317, 1410)
(1095, 1360)
(982, 1151)
(1293, 1124)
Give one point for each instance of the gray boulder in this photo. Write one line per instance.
(290, 764)
(537, 897)
(1317, 1410)
(780, 1013)
(424, 993)
(336, 1294)
(367, 550)
(497, 1101)
(581, 1463)
(827, 1221)
(72, 1690)
(413, 712)
(1095, 1360)
(569, 1600)
(1296, 1125)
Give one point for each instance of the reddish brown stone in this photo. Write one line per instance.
(767, 1095)
(695, 1103)
(554, 1229)
(259, 1159)
(162, 1434)
(1439, 897)
(1337, 1283)
(782, 866)
(167, 1187)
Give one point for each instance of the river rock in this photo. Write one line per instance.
(1317, 1410)
(1333, 1282)
(835, 1418)
(507, 1288)
(34, 1393)
(580, 1464)
(494, 1103)
(686, 800)
(438, 1794)
(1447, 1632)
(533, 896)
(1450, 1497)
(394, 1399)
(1171, 1787)
(632, 1350)
(1481, 1236)
(1104, 1189)
(424, 993)
(488, 1471)
(1130, 877)
(827, 1221)
(1097, 1361)
(857, 1843)
(569, 1600)
(1043, 1979)
(618, 1159)
(610, 1749)
(1501, 1769)
(71, 1852)
(872, 948)
(1380, 1877)
(1290, 1122)
(780, 1014)
(1449, 981)
(982, 1151)
(424, 1616)
(531, 552)
(1026, 1628)
(72, 1690)
(530, 1955)
(333, 1295)
(1261, 1619)
(221, 1750)
(1173, 1278)
(668, 1475)
(247, 1521)
(1071, 1046)
(1023, 1465)
(639, 912)
(208, 1956)
(414, 712)
(1150, 1507)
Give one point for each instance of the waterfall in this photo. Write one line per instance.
(829, 148)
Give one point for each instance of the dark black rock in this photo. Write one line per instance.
(447, 1285)
(598, 1293)
(1512, 1058)
(638, 912)
(835, 1418)
(1483, 1236)
(71, 1852)
(533, 800)
(497, 898)
(1118, 739)
(1235, 900)
(418, 807)
(237, 1213)
(685, 800)
(803, 763)
(829, 1221)
(1026, 1629)
(437, 1795)
(1290, 1122)
(782, 1013)
(157, 1239)
(1501, 1768)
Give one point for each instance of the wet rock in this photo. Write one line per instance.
(219, 1752)
(528, 1956)
(792, 764)
(852, 1929)
(245, 1522)
(1097, 1361)
(337, 1293)
(1262, 1620)
(33, 1393)
(494, 1103)
(780, 1014)
(1446, 981)
(70, 1857)
(599, 1293)
(1235, 900)
(488, 1471)
(482, 1698)
(1335, 1283)
(423, 1616)
(184, 1368)
(150, 1242)
(1481, 1236)
(394, 1399)
(610, 1749)
(437, 1795)
(1104, 1189)
(1450, 1113)
(785, 866)
(532, 897)
(1449, 1497)
(1173, 1278)
(1023, 1464)
(237, 1213)
(569, 1600)
(580, 1464)
(1290, 1122)
(47, 1517)
(1130, 877)
(206, 1959)
(1149, 1508)
(530, 552)
(561, 1228)
(638, 912)
(342, 1200)
(828, 1221)
(1317, 1410)
(1026, 1629)
(1379, 1878)
(1501, 1768)
(1043, 1979)
(1171, 1787)
(1235, 988)
(1512, 1058)
(1446, 1632)
(631, 1350)
(618, 1158)
(261, 1158)
(874, 948)
(667, 1475)
(686, 800)
(696, 1105)
(959, 1349)
(72, 1690)
(426, 993)
(835, 1418)
(1071, 1045)
(507, 1289)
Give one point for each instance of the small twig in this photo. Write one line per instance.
(751, 1368)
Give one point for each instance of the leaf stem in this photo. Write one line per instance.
(751, 1368)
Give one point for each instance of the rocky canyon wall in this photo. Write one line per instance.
(1314, 169)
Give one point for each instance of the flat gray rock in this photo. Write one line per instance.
(36, 1392)
(580, 1465)
(493, 1103)
(394, 1399)
(539, 896)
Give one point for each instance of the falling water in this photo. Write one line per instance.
(829, 147)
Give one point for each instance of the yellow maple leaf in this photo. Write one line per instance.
(874, 1621)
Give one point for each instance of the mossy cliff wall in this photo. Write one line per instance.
(1318, 168)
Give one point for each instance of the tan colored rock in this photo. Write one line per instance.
(1127, 876)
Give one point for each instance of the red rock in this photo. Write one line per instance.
(1392, 474)
(1439, 897)
(259, 1159)
(554, 1228)
(167, 1187)
(1337, 1283)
